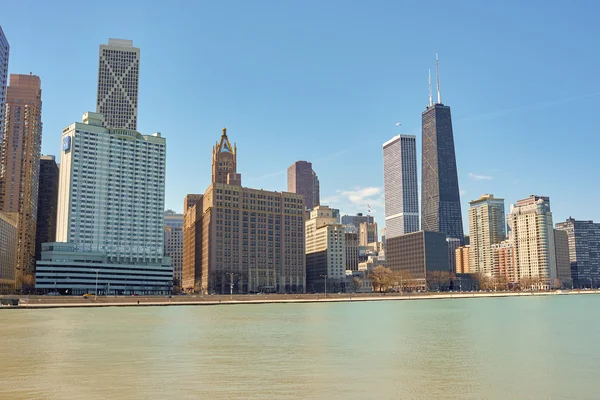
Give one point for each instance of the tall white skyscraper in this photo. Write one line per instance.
(487, 226)
(4, 52)
(118, 75)
(110, 212)
(400, 185)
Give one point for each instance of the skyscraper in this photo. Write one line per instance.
(110, 213)
(584, 251)
(173, 243)
(356, 220)
(47, 203)
(440, 196)
(20, 165)
(400, 185)
(487, 226)
(249, 238)
(367, 233)
(532, 241)
(118, 75)
(4, 52)
(303, 180)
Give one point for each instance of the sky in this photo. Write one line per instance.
(327, 81)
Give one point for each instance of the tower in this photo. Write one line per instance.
(440, 198)
(303, 180)
(224, 162)
(4, 52)
(487, 226)
(400, 185)
(118, 76)
(20, 165)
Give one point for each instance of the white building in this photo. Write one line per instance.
(110, 208)
(173, 242)
(118, 76)
(400, 185)
(487, 226)
(4, 52)
(325, 251)
(532, 240)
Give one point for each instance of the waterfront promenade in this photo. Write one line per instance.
(189, 300)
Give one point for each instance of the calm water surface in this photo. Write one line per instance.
(506, 348)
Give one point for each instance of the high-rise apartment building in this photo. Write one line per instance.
(400, 185)
(487, 226)
(9, 223)
(240, 239)
(462, 260)
(367, 233)
(47, 204)
(20, 164)
(563, 262)
(325, 251)
(4, 53)
(118, 76)
(453, 244)
(504, 265)
(303, 180)
(173, 241)
(584, 251)
(532, 240)
(110, 210)
(440, 195)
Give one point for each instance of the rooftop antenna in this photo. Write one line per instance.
(437, 73)
(430, 97)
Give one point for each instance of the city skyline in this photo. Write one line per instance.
(478, 125)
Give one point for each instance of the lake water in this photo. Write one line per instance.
(490, 348)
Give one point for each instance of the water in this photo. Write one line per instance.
(502, 348)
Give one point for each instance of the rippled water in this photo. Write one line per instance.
(502, 348)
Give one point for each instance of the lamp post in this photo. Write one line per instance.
(96, 295)
(230, 284)
(591, 283)
(325, 276)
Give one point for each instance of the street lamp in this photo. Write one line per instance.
(96, 295)
(325, 276)
(230, 284)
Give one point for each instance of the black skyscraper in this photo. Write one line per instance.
(47, 203)
(440, 197)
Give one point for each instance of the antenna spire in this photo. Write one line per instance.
(437, 73)
(430, 97)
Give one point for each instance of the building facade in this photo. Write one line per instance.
(453, 244)
(20, 165)
(351, 242)
(325, 252)
(173, 242)
(400, 185)
(440, 195)
(563, 262)
(487, 226)
(532, 241)
(242, 240)
(368, 233)
(118, 78)
(9, 223)
(418, 253)
(356, 220)
(4, 53)
(110, 210)
(47, 204)
(584, 251)
(462, 260)
(303, 180)
(503, 262)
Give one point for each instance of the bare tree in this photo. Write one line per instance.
(382, 278)
(356, 284)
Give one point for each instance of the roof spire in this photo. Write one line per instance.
(437, 73)
(224, 132)
(430, 97)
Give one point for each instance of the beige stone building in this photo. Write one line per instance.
(8, 249)
(487, 226)
(20, 165)
(241, 239)
(367, 233)
(462, 260)
(325, 251)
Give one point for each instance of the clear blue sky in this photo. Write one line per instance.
(326, 81)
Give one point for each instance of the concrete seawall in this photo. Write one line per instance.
(28, 302)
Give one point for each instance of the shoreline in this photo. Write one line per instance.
(41, 302)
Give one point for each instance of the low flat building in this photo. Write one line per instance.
(419, 253)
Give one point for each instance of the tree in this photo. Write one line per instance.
(27, 283)
(403, 279)
(356, 284)
(382, 278)
(445, 278)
